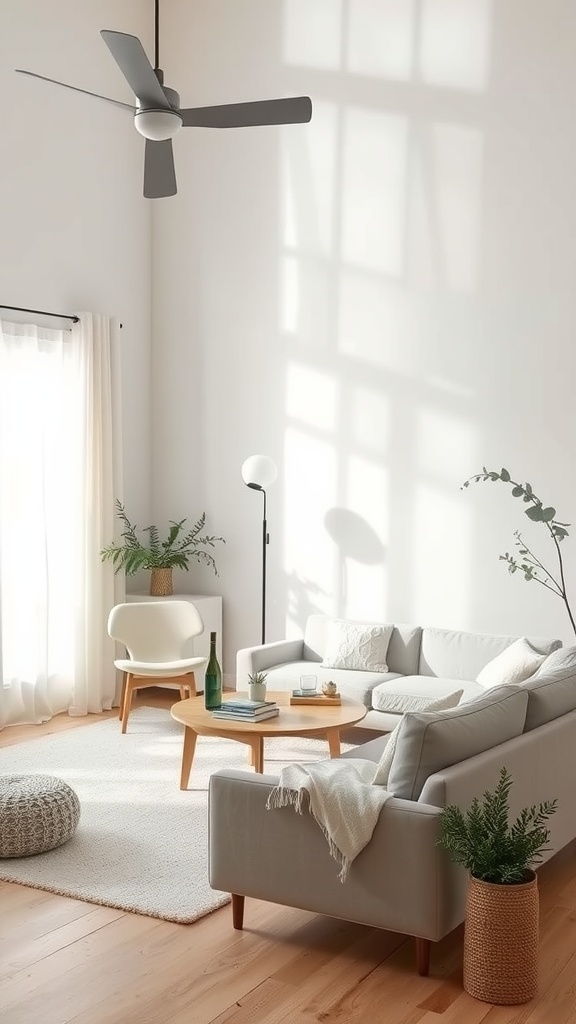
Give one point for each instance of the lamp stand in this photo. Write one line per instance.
(265, 541)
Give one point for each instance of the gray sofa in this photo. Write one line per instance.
(402, 880)
(421, 661)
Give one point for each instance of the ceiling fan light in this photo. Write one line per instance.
(157, 125)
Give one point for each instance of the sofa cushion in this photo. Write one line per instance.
(565, 657)
(356, 685)
(549, 696)
(414, 693)
(452, 654)
(515, 664)
(358, 646)
(428, 741)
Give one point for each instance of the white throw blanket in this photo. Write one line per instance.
(342, 800)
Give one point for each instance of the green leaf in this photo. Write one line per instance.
(504, 475)
(517, 491)
(528, 488)
(535, 513)
(548, 514)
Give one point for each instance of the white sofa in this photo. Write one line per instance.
(422, 662)
(402, 880)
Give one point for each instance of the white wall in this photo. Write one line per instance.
(75, 229)
(383, 301)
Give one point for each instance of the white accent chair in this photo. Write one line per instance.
(155, 634)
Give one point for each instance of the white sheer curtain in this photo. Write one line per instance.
(58, 478)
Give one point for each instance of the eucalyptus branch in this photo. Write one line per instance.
(537, 512)
(530, 566)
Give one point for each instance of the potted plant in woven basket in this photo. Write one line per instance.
(501, 925)
(178, 549)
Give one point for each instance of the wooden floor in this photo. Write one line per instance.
(64, 961)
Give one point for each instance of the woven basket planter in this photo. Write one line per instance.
(160, 582)
(501, 941)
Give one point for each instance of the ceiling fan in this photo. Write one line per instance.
(158, 115)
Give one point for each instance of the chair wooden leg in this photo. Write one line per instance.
(237, 911)
(192, 685)
(183, 690)
(127, 703)
(122, 695)
(423, 956)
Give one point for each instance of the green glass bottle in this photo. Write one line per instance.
(212, 679)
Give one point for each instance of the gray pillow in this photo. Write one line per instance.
(426, 742)
(565, 657)
(549, 696)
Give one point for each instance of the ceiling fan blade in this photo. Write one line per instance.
(292, 110)
(75, 88)
(159, 172)
(130, 57)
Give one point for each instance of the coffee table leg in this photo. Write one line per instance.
(257, 753)
(334, 742)
(190, 738)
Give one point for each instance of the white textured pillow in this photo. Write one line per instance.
(564, 657)
(428, 704)
(515, 664)
(356, 645)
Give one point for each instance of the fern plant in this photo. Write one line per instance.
(482, 840)
(176, 550)
(528, 563)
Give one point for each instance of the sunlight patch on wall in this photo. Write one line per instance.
(444, 208)
(370, 420)
(306, 300)
(457, 184)
(447, 446)
(381, 323)
(381, 38)
(312, 32)
(367, 495)
(442, 583)
(374, 187)
(307, 183)
(311, 397)
(309, 488)
(455, 43)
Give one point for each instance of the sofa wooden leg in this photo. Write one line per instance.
(237, 911)
(423, 956)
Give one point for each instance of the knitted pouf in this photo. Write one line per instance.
(37, 813)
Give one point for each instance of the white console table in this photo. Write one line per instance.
(210, 609)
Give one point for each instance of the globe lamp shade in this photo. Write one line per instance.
(259, 471)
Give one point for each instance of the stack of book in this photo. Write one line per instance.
(243, 710)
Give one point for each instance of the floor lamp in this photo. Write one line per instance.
(259, 472)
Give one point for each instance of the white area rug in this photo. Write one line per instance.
(141, 844)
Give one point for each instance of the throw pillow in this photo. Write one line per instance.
(385, 762)
(564, 657)
(429, 741)
(515, 664)
(355, 645)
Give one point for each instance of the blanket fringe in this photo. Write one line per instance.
(281, 796)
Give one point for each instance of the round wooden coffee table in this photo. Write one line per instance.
(297, 720)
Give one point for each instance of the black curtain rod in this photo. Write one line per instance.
(42, 312)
